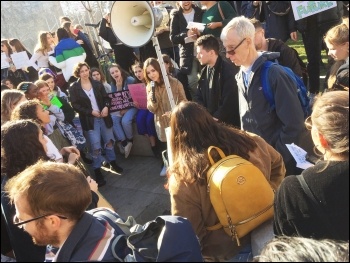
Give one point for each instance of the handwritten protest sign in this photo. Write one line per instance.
(139, 95)
(302, 9)
(4, 62)
(20, 59)
(120, 100)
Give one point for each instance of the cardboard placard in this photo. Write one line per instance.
(302, 9)
(138, 94)
(120, 100)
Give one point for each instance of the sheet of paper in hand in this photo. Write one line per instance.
(199, 26)
(20, 59)
(4, 62)
(120, 100)
(139, 95)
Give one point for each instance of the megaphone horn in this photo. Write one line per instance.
(134, 22)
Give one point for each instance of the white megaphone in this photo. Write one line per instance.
(134, 23)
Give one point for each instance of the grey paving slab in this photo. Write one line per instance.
(139, 191)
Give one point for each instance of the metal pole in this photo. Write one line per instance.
(92, 21)
(164, 73)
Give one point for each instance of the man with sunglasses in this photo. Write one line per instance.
(50, 200)
(217, 89)
(284, 124)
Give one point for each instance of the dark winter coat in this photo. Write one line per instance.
(82, 104)
(178, 33)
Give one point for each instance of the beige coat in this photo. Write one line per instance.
(193, 202)
(162, 105)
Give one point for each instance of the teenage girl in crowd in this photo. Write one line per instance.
(122, 120)
(30, 72)
(337, 41)
(328, 180)
(145, 118)
(54, 89)
(158, 101)
(43, 49)
(33, 110)
(8, 83)
(193, 130)
(7, 50)
(22, 145)
(96, 74)
(51, 129)
(90, 100)
(9, 100)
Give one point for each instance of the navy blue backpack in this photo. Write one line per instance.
(301, 88)
(164, 239)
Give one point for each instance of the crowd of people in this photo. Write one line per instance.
(215, 79)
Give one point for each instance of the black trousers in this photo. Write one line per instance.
(312, 39)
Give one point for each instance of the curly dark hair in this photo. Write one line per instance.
(27, 110)
(20, 146)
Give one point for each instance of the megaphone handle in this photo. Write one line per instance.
(164, 73)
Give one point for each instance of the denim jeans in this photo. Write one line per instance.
(245, 255)
(100, 130)
(122, 126)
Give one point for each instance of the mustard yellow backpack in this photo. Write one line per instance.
(240, 194)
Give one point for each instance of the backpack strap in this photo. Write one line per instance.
(266, 87)
(220, 152)
(316, 205)
(220, 11)
(214, 227)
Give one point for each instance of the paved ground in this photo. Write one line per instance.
(139, 191)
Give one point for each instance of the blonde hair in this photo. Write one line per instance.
(337, 35)
(41, 83)
(9, 99)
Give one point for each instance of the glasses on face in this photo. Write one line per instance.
(308, 123)
(17, 222)
(232, 51)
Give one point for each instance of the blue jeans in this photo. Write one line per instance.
(122, 126)
(245, 255)
(100, 130)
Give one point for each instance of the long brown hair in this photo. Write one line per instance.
(155, 64)
(43, 45)
(18, 45)
(6, 43)
(193, 130)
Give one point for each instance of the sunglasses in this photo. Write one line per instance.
(17, 222)
(232, 51)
